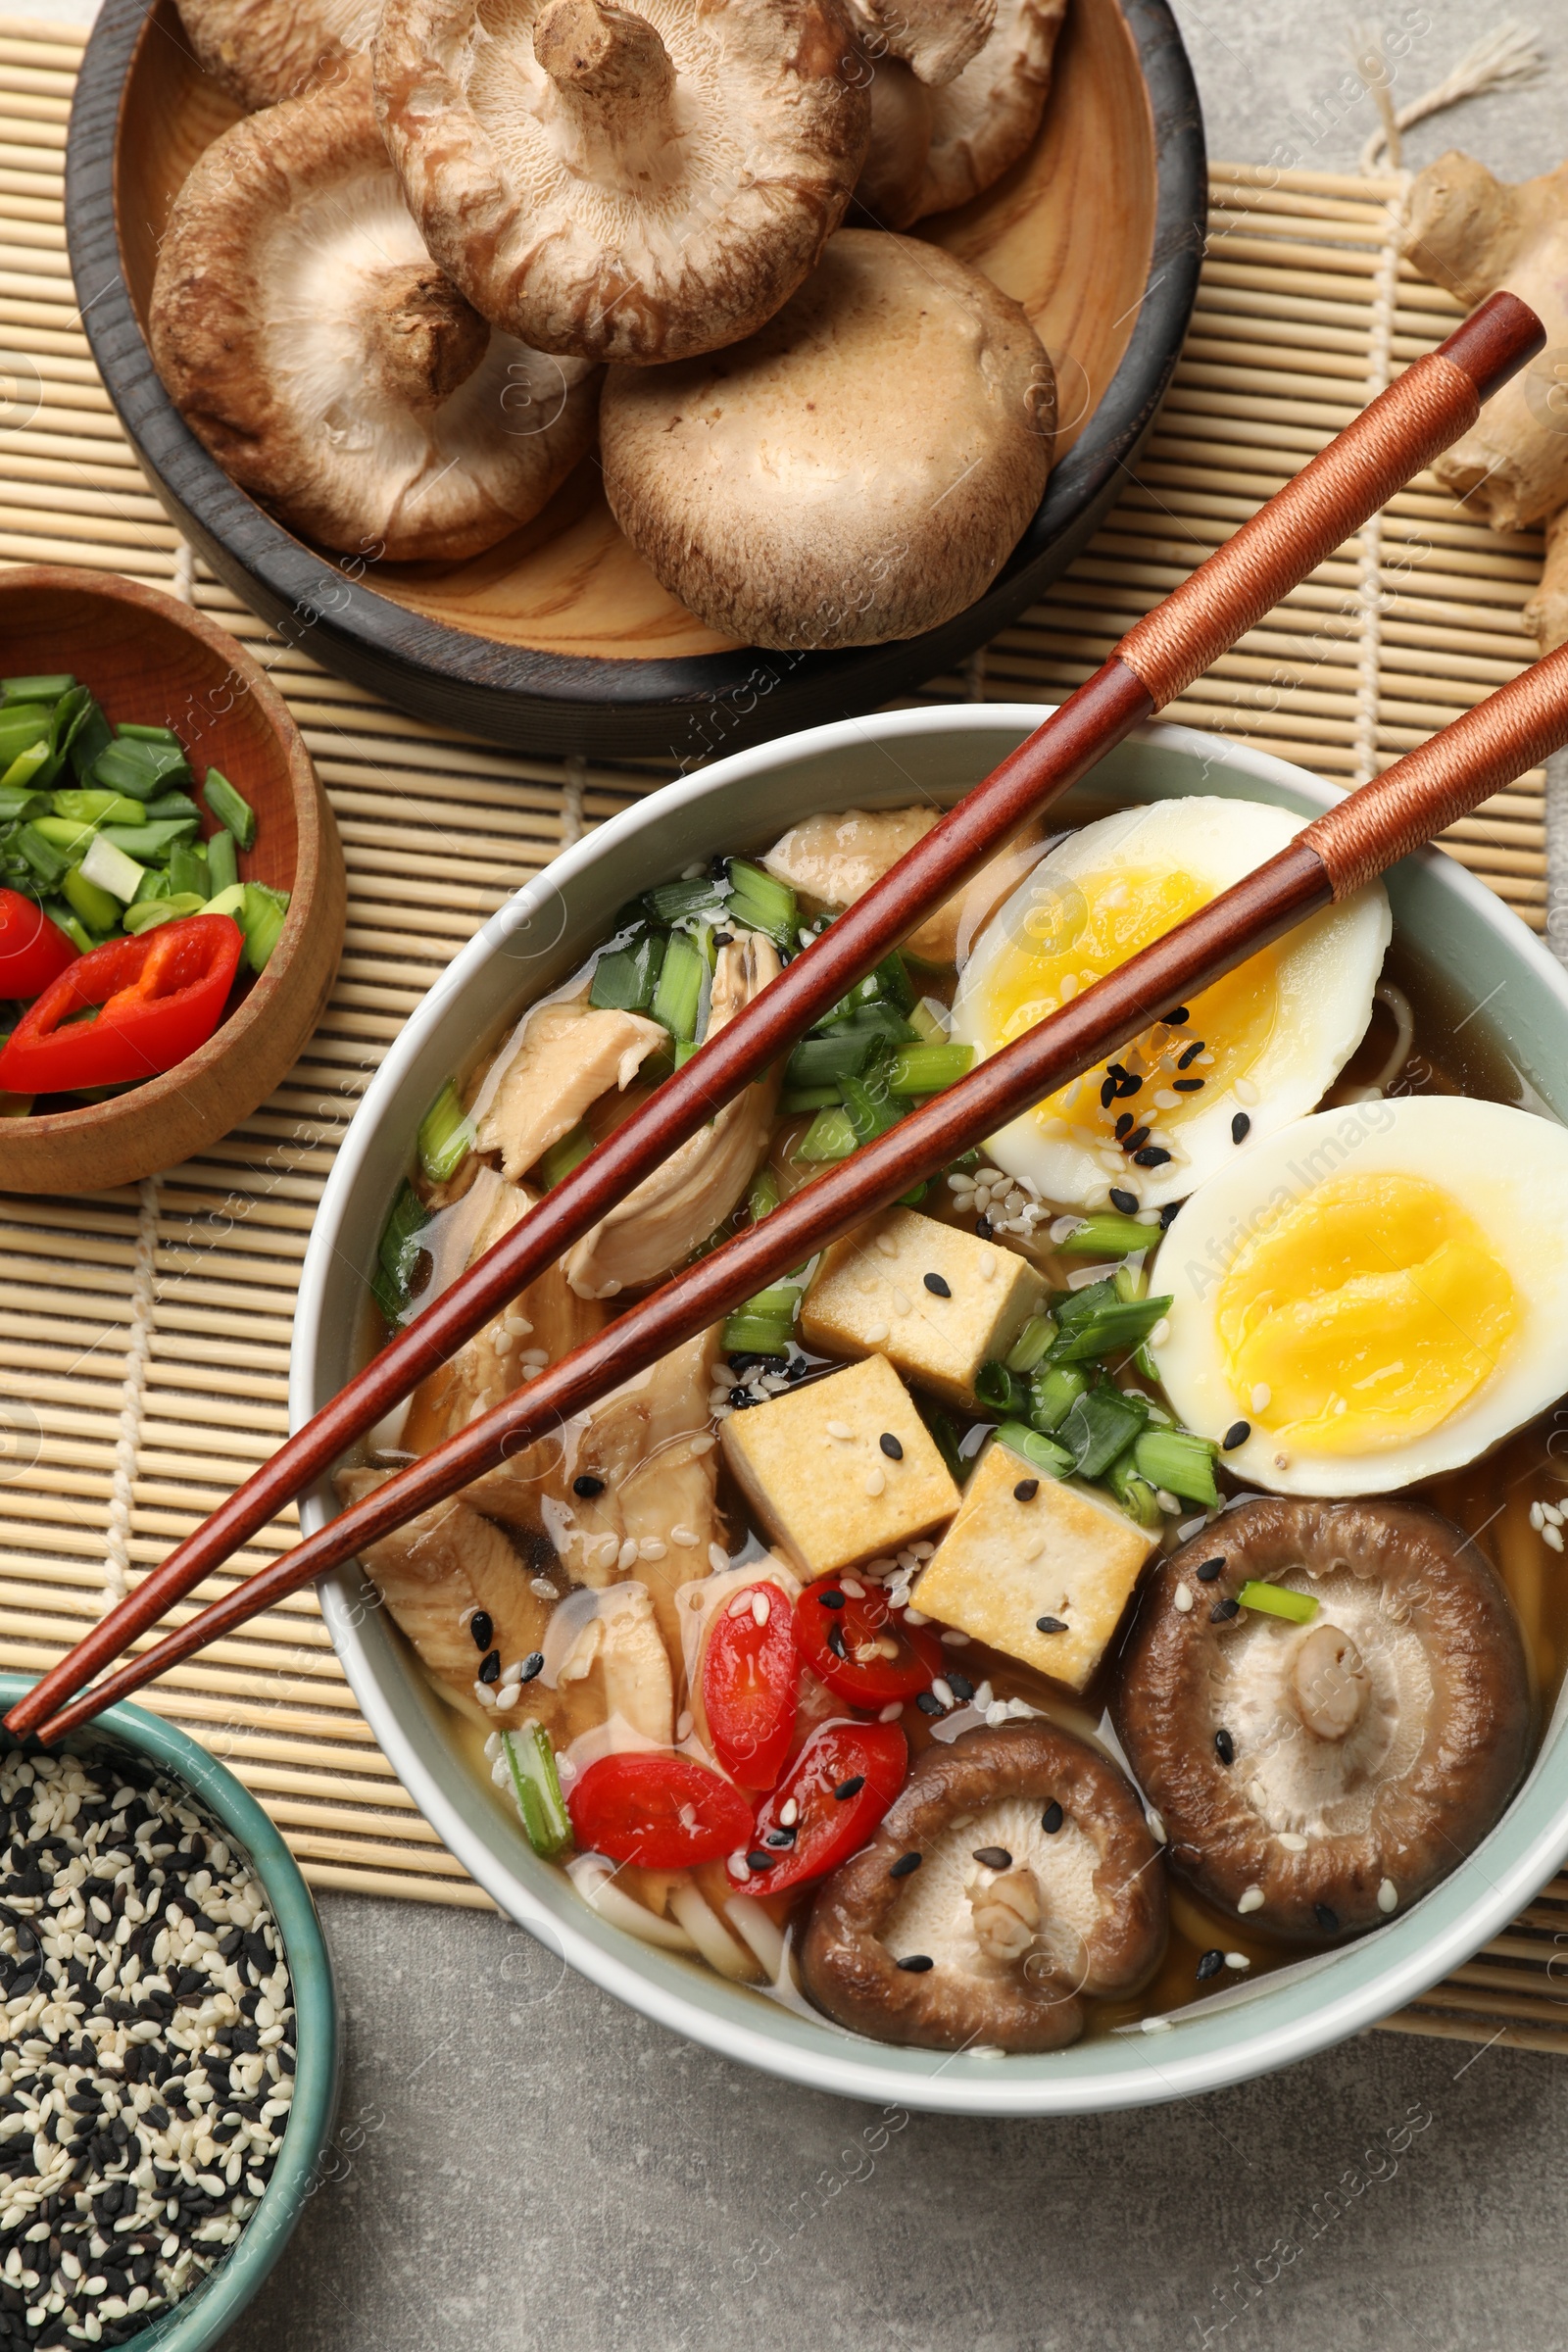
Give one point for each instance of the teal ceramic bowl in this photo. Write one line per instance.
(1482, 953)
(212, 2308)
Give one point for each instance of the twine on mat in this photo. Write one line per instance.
(1507, 54)
(1369, 576)
(572, 816)
(133, 1393)
(184, 580)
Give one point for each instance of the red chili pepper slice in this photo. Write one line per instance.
(661, 1811)
(157, 999)
(841, 1783)
(750, 1674)
(841, 1636)
(33, 951)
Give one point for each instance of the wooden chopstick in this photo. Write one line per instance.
(1371, 829)
(1430, 405)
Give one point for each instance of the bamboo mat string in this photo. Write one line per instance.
(144, 1335)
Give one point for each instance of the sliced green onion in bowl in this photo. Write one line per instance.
(1041, 1453)
(1278, 1601)
(536, 1785)
(1107, 1235)
(446, 1136)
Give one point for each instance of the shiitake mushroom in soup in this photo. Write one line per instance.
(803, 1640)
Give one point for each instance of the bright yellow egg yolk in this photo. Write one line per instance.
(1368, 1312)
(1078, 929)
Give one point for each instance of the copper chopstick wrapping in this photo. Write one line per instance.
(1330, 858)
(1430, 405)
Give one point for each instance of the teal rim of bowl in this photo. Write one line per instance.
(209, 2310)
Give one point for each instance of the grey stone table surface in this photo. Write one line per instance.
(523, 2162)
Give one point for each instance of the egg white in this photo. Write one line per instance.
(1326, 971)
(1506, 1169)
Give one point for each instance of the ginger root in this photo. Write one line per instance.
(1473, 234)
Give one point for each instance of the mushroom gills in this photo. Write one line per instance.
(949, 1909)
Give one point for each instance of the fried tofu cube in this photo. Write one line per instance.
(1025, 1548)
(840, 1470)
(938, 1303)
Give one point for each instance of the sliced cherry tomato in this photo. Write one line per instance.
(661, 1811)
(33, 951)
(841, 1637)
(750, 1674)
(841, 1783)
(156, 999)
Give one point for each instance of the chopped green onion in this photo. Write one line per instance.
(147, 914)
(189, 868)
(1131, 1282)
(806, 1097)
(531, 1761)
(685, 1048)
(446, 1136)
(90, 738)
(108, 868)
(1278, 1601)
(130, 732)
(1110, 1236)
(46, 689)
(34, 766)
(570, 1152)
(1001, 1391)
(625, 980)
(222, 862)
(1029, 1347)
(397, 1258)
(66, 833)
(1179, 1462)
(98, 909)
(893, 979)
(171, 804)
(1054, 1461)
(1053, 1393)
(1100, 1425)
(678, 994)
(764, 1195)
(139, 768)
(148, 844)
(261, 918)
(944, 1438)
(870, 1112)
(18, 803)
(760, 902)
(155, 884)
(929, 1023)
(63, 914)
(927, 1069)
(822, 1061)
(679, 901)
(1114, 1328)
(95, 808)
(1134, 1494)
(230, 808)
(757, 1335)
(830, 1136)
(41, 855)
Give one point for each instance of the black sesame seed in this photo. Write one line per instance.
(759, 1860)
(1188, 1086)
(961, 1685)
(928, 1703)
(938, 1286)
(532, 1664)
(489, 1671)
(891, 1446)
(1209, 1966)
(1049, 1625)
(915, 1965)
(983, 1228)
(1190, 1053)
(1051, 1820)
(835, 1640)
(1151, 1156)
(724, 939)
(1169, 1215)
(1236, 1435)
(1223, 1612)
(587, 1486)
(1027, 1489)
(904, 1864)
(992, 1858)
(1123, 1126)
(1207, 1570)
(1130, 1087)
(1107, 1093)
(1135, 1141)
(1326, 1920)
(1127, 1202)
(1117, 1069)
(1176, 1017)
(483, 1632)
(1241, 1127)
(830, 1600)
(850, 1787)
(1224, 1747)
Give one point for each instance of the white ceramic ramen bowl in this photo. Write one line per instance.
(534, 941)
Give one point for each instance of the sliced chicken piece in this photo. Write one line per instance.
(660, 1223)
(650, 1453)
(833, 860)
(622, 1642)
(562, 1057)
(433, 1575)
(539, 1325)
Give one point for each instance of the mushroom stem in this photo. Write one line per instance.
(422, 339)
(614, 85)
(1006, 1913)
(1328, 1682)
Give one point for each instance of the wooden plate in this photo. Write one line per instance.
(148, 658)
(559, 639)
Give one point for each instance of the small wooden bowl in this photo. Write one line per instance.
(151, 660)
(559, 639)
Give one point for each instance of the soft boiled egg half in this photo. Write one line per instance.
(1247, 1055)
(1374, 1297)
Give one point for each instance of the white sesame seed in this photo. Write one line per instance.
(902, 1302)
(887, 1245)
(759, 1609)
(1156, 2025)
(960, 1184)
(891, 1712)
(986, 1264)
(1387, 1896)
(857, 1592)
(1551, 1512)
(943, 1690)
(914, 1617)
(717, 1558)
(1291, 1841)
(839, 1429)
(1246, 1091)
(1554, 1537)
(1252, 1900)
(1183, 1597)
(1237, 1960)
(954, 1639)
(685, 1724)
(1537, 1517)
(875, 1334)
(542, 1588)
(1261, 1396)
(875, 1482)
(686, 1537)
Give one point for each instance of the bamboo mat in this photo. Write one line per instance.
(144, 1335)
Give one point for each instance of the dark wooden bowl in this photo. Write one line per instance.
(559, 639)
(148, 658)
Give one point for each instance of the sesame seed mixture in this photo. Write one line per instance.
(146, 2048)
